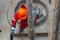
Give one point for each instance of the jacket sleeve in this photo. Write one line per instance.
(14, 20)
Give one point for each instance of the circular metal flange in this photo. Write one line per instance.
(39, 9)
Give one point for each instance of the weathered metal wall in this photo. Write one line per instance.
(4, 25)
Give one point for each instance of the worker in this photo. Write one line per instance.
(22, 15)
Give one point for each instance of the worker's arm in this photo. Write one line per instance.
(14, 20)
(13, 23)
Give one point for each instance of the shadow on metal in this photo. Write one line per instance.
(26, 35)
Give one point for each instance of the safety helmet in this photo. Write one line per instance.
(22, 12)
(23, 6)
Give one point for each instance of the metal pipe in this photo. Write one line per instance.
(31, 31)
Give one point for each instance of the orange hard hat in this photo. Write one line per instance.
(22, 13)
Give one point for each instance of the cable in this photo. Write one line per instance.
(8, 11)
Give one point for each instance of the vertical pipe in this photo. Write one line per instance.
(30, 23)
(58, 22)
(54, 19)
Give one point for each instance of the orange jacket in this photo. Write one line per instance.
(22, 15)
